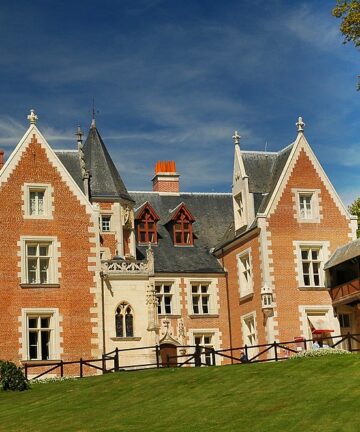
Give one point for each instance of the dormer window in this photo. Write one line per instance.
(183, 230)
(182, 221)
(146, 219)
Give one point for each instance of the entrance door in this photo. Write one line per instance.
(168, 350)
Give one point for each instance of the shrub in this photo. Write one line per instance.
(320, 352)
(12, 377)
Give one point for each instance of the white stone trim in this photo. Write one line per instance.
(174, 282)
(244, 333)
(56, 340)
(216, 335)
(49, 208)
(325, 255)
(315, 204)
(55, 255)
(326, 310)
(213, 294)
(250, 286)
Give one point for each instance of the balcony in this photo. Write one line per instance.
(345, 293)
(128, 268)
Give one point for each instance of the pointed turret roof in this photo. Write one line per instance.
(105, 180)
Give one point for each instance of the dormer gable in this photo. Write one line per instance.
(181, 221)
(146, 219)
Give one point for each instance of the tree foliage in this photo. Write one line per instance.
(354, 209)
(349, 11)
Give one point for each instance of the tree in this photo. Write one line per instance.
(349, 11)
(354, 209)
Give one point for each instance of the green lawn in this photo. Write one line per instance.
(313, 394)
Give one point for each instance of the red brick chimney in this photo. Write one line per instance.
(166, 179)
(1, 159)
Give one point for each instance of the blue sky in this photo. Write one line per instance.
(173, 80)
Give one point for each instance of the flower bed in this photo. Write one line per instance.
(320, 352)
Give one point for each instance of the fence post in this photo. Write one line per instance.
(61, 368)
(103, 364)
(276, 353)
(246, 352)
(157, 352)
(213, 356)
(349, 342)
(81, 368)
(116, 360)
(197, 355)
(26, 371)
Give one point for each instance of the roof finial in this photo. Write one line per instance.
(300, 125)
(93, 123)
(236, 138)
(32, 117)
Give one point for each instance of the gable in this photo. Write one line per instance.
(142, 209)
(34, 139)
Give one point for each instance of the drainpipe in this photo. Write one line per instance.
(228, 302)
(102, 277)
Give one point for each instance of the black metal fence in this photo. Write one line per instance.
(189, 355)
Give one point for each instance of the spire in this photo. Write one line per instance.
(300, 125)
(32, 117)
(236, 138)
(93, 122)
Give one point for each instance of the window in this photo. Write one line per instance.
(307, 207)
(249, 333)
(164, 293)
(105, 223)
(311, 266)
(124, 321)
(183, 230)
(37, 201)
(39, 337)
(239, 210)
(245, 273)
(205, 341)
(39, 263)
(146, 228)
(344, 320)
(240, 204)
(200, 298)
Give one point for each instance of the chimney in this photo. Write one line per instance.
(166, 179)
(1, 159)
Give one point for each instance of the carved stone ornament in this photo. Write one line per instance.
(32, 117)
(167, 333)
(152, 307)
(128, 217)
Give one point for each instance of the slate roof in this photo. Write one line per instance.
(105, 180)
(212, 213)
(344, 253)
(70, 160)
(264, 170)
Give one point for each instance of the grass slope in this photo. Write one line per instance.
(314, 394)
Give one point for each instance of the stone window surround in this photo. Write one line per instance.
(213, 298)
(250, 285)
(48, 200)
(175, 300)
(54, 338)
(245, 333)
(315, 204)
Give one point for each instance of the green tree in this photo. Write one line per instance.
(349, 11)
(354, 209)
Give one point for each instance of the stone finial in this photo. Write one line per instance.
(300, 125)
(32, 117)
(236, 138)
(79, 134)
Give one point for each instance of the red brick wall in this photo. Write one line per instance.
(70, 225)
(166, 186)
(284, 228)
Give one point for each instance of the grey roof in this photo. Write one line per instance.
(212, 213)
(264, 170)
(105, 180)
(344, 253)
(70, 160)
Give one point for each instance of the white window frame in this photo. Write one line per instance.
(246, 286)
(212, 292)
(250, 338)
(162, 295)
(314, 215)
(48, 200)
(54, 345)
(200, 295)
(215, 335)
(53, 274)
(323, 248)
(107, 215)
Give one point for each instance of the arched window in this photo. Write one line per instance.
(124, 321)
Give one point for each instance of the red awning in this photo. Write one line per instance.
(319, 324)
